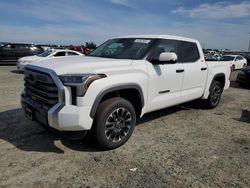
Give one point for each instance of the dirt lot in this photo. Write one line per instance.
(183, 146)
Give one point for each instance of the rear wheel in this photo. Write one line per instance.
(114, 123)
(242, 84)
(215, 95)
(244, 65)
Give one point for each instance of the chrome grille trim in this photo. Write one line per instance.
(53, 111)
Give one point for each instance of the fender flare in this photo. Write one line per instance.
(216, 76)
(112, 89)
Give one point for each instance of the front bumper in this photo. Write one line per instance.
(20, 66)
(66, 118)
(62, 116)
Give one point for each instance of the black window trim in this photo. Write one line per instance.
(72, 53)
(150, 53)
(185, 62)
(154, 45)
(55, 55)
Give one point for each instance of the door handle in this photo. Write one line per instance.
(180, 70)
(203, 68)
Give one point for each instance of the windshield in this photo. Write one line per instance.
(125, 48)
(46, 53)
(227, 58)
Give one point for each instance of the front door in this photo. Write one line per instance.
(165, 80)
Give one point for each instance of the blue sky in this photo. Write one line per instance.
(216, 24)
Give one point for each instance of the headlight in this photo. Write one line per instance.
(69, 79)
(80, 82)
(26, 62)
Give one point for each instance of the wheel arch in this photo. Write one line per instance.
(123, 91)
(220, 77)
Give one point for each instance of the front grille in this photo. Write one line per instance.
(73, 95)
(41, 88)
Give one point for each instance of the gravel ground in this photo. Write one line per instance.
(182, 146)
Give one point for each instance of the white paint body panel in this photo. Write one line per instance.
(152, 79)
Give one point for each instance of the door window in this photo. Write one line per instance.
(238, 58)
(164, 46)
(58, 54)
(9, 46)
(72, 53)
(189, 52)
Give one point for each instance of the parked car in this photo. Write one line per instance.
(248, 59)
(47, 54)
(80, 49)
(119, 82)
(236, 61)
(243, 77)
(11, 52)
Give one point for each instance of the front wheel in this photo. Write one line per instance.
(214, 95)
(114, 123)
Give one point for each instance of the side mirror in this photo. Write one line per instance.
(168, 57)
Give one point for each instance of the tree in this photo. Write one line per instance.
(90, 45)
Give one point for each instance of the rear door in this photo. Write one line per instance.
(21, 50)
(239, 62)
(195, 71)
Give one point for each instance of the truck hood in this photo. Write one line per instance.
(30, 58)
(80, 64)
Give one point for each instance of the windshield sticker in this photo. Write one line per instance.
(142, 41)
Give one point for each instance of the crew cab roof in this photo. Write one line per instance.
(153, 36)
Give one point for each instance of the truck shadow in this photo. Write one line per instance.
(30, 136)
(16, 71)
(158, 114)
(234, 84)
(196, 104)
(245, 116)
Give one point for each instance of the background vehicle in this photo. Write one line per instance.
(243, 77)
(248, 59)
(213, 57)
(47, 54)
(236, 61)
(11, 52)
(120, 81)
(80, 49)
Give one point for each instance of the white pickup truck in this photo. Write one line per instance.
(120, 81)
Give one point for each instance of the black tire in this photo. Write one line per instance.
(242, 84)
(214, 95)
(112, 127)
(244, 65)
(233, 68)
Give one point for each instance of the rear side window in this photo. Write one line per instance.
(9, 46)
(239, 58)
(72, 53)
(188, 51)
(58, 54)
(22, 47)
